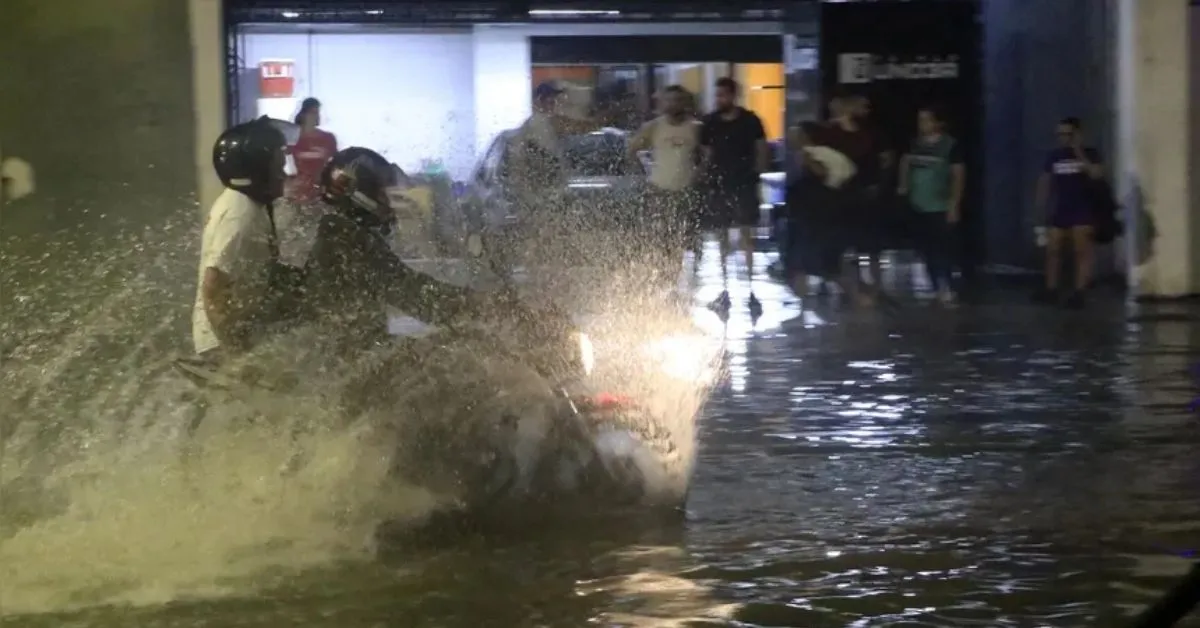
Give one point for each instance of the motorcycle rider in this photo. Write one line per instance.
(352, 271)
(243, 288)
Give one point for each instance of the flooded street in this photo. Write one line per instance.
(999, 464)
(996, 465)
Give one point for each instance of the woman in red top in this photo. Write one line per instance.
(296, 224)
(311, 152)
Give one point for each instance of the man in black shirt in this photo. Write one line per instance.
(735, 149)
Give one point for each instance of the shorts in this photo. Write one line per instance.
(667, 216)
(1071, 217)
(728, 207)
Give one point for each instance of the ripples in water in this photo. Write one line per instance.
(999, 465)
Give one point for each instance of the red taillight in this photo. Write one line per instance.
(607, 401)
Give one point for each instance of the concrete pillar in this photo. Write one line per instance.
(503, 80)
(711, 74)
(208, 93)
(1153, 164)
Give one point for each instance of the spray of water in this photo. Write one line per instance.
(105, 496)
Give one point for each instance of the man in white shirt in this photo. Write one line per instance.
(239, 252)
(673, 139)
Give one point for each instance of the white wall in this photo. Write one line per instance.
(408, 96)
(503, 77)
(438, 95)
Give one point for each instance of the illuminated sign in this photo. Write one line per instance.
(857, 68)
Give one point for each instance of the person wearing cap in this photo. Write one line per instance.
(537, 167)
(537, 158)
(311, 152)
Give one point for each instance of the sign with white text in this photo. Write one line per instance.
(860, 67)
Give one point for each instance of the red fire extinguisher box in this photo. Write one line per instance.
(276, 78)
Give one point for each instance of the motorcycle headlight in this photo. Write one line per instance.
(682, 358)
(587, 352)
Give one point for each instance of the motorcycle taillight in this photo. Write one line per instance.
(607, 401)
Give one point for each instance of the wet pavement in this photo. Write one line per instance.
(997, 464)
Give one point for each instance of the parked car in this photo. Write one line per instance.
(602, 191)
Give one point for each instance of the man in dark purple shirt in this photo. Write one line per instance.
(1068, 179)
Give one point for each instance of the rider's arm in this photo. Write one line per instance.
(422, 296)
(432, 301)
(230, 309)
(221, 306)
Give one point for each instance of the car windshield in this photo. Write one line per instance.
(598, 155)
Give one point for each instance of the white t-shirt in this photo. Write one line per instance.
(674, 149)
(236, 242)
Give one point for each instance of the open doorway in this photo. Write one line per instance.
(763, 88)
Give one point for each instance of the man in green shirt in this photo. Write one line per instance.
(932, 176)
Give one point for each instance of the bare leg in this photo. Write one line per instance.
(724, 247)
(799, 283)
(875, 272)
(746, 236)
(1085, 252)
(851, 281)
(1054, 243)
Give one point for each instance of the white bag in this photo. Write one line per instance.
(838, 167)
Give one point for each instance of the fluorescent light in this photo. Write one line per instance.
(290, 14)
(375, 12)
(572, 12)
(589, 185)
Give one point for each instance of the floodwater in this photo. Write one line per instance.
(997, 465)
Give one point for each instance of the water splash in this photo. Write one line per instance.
(105, 498)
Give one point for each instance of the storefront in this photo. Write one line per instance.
(435, 82)
(906, 55)
(441, 79)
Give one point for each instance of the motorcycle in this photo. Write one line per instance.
(497, 428)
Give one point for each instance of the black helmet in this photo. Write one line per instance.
(247, 158)
(358, 179)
